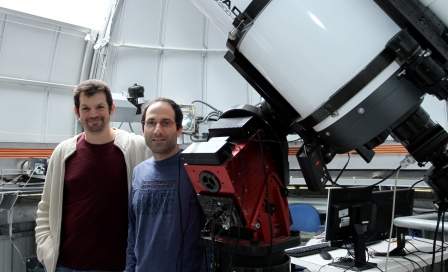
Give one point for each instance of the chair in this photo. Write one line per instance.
(304, 217)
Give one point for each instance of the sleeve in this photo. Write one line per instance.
(141, 151)
(44, 242)
(131, 259)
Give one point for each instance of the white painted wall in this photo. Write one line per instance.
(40, 62)
(172, 50)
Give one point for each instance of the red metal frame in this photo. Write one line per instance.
(250, 178)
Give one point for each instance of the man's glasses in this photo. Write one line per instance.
(164, 123)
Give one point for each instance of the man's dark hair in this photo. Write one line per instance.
(91, 87)
(178, 115)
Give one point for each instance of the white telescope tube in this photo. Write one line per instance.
(308, 49)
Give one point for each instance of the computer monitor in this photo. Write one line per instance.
(382, 217)
(349, 213)
(382, 211)
(358, 215)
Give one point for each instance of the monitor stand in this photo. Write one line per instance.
(359, 263)
(401, 243)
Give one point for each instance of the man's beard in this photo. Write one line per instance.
(98, 124)
(161, 148)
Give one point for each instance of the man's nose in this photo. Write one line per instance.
(94, 113)
(158, 127)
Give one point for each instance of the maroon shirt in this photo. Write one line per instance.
(94, 215)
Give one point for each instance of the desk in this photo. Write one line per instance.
(316, 263)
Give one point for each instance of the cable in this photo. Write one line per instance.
(213, 114)
(10, 232)
(31, 175)
(415, 254)
(328, 177)
(400, 263)
(394, 198)
(423, 241)
(213, 245)
(413, 262)
(209, 116)
(421, 251)
(442, 239)
(266, 184)
(205, 103)
(242, 200)
(320, 268)
(206, 259)
(409, 260)
(417, 182)
(343, 168)
(386, 177)
(130, 127)
(439, 215)
(195, 139)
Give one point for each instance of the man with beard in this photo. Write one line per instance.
(81, 219)
(164, 214)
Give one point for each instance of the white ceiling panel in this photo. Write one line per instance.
(23, 110)
(215, 38)
(182, 77)
(184, 25)
(68, 58)
(130, 66)
(2, 26)
(139, 22)
(60, 116)
(225, 87)
(26, 51)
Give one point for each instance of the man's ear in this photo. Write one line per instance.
(76, 110)
(112, 108)
(179, 132)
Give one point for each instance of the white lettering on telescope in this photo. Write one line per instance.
(228, 8)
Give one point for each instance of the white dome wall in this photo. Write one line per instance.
(173, 51)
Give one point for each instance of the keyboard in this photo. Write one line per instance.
(307, 250)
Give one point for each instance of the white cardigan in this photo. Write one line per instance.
(49, 210)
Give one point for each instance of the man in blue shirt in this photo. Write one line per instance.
(164, 214)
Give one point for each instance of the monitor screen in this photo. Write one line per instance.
(357, 215)
(348, 217)
(381, 218)
(347, 207)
